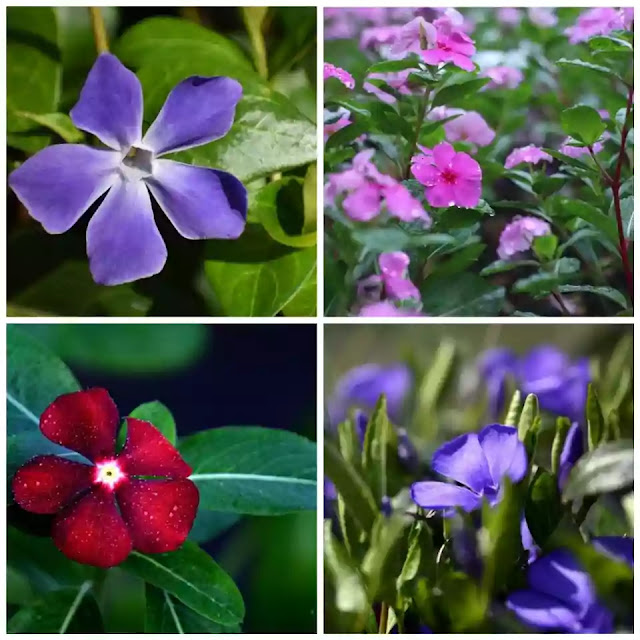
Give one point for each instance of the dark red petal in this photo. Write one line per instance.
(159, 513)
(45, 484)
(148, 453)
(91, 531)
(84, 421)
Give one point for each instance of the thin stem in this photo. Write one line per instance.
(587, 503)
(99, 30)
(384, 617)
(605, 175)
(563, 307)
(615, 190)
(422, 114)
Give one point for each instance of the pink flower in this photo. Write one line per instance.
(451, 178)
(530, 154)
(451, 20)
(331, 71)
(386, 309)
(455, 47)
(627, 18)
(570, 149)
(393, 264)
(364, 203)
(501, 76)
(542, 17)
(331, 127)
(509, 16)
(595, 22)
(396, 80)
(374, 37)
(469, 126)
(402, 205)
(518, 235)
(413, 35)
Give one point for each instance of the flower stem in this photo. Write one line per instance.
(99, 30)
(615, 185)
(563, 307)
(422, 114)
(384, 617)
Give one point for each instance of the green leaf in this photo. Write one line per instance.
(603, 470)
(543, 509)
(545, 247)
(346, 135)
(596, 431)
(528, 416)
(269, 133)
(500, 266)
(211, 524)
(396, 239)
(71, 610)
(562, 429)
(513, 412)
(280, 208)
(35, 378)
(464, 294)
(254, 276)
(33, 74)
(351, 486)
(460, 260)
(582, 123)
(626, 208)
(605, 292)
(374, 449)
(192, 577)
(392, 66)
(165, 614)
(59, 123)
(252, 470)
(419, 561)
(254, 20)
(159, 416)
(454, 93)
(590, 213)
(586, 66)
(310, 199)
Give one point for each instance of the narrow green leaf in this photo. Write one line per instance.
(253, 20)
(419, 561)
(500, 266)
(588, 66)
(513, 412)
(453, 93)
(606, 292)
(545, 247)
(374, 450)
(252, 470)
(191, 576)
(528, 416)
(392, 66)
(59, 123)
(562, 428)
(595, 421)
(606, 469)
(543, 509)
(310, 199)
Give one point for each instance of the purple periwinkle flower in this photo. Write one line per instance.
(478, 462)
(616, 547)
(572, 451)
(561, 597)
(58, 184)
(495, 365)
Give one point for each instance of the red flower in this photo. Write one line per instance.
(139, 499)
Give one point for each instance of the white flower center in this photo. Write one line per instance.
(108, 473)
(137, 164)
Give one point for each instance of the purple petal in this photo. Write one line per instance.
(200, 202)
(123, 241)
(197, 111)
(597, 619)
(542, 611)
(505, 454)
(110, 105)
(557, 574)
(440, 495)
(572, 450)
(617, 547)
(59, 183)
(463, 460)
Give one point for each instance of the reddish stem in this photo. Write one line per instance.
(615, 184)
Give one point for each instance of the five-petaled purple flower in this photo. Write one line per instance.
(58, 184)
(561, 597)
(477, 461)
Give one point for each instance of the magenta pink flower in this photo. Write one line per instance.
(331, 71)
(394, 266)
(469, 126)
(627, 18)
(530, 154)
(386, 309)
(396, 80)
(408, 39)
(518, 235)
(451, 20)
(451, 178)
(402, 205)
(455, 47)
(542, 17)
(502, 76)
(509, 16)
(331, 127)
(596, 22)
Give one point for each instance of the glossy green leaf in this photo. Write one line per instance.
(33, 74)
(166, 614)
(374, 449)
(464, 294)
(59, 123)
(500, 266)
(70, 610)
(543, 509)
(210, 524)
(582, 123)
(310, 199)
(191, 576)
(452, 94)
(603, 470)
(513, 411)
(281, 209)
(583, 65)
(35, 378)
(159, 416)
(395, 239)
(545, 247)
(606, 292)
(254, 18)
(254, 276)
(252, 470)
(392, 66)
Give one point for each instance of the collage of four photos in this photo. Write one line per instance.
(301, 354)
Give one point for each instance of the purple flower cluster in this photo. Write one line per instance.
(58, 184)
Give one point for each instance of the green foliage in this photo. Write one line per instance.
(583, 123)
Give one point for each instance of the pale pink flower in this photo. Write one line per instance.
(451, 178)
(374, 37)
(364, 203)
(627, 18)
(400, 289)
(509, 16)
(331, 71)
(455, 47)
(518, 235)
(450, 20)
(470, 126)
(542, 17)
(570, 149)
(396, 80)
(530, 154)
(413, 35)
(386, 309)
(402, 205)
(502, 76)
(595, 22)
(331, 127)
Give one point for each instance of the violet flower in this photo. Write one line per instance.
(572, 451)
(494, 366)
(561, 597)
(517, 236)
(502, 76)
(479, 463)
(58, 184)
(616, 547)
